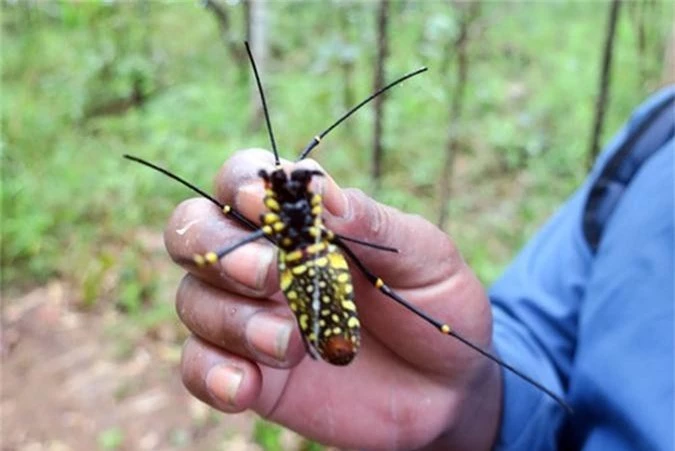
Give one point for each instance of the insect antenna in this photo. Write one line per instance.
(317, 139)
(264, 105)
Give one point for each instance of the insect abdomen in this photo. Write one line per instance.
(318, 287)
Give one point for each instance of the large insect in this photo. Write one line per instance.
(314, 274)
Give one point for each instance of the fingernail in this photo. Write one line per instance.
(335, 200)
(223, 382)
(269, 335)
(250, 265)
(336, 203)
(248, 199)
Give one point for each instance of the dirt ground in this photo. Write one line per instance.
(67, 385)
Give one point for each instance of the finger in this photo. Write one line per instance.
(197, 226)
(260, 330)
(222, 380)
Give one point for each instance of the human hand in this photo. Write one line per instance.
(409, 386)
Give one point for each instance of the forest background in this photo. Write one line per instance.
(504, 126)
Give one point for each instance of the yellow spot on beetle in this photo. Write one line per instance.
(271, 203)
(270, 218)
(353, 322)
(321, 262)
(285, 282)
(316, 248)
(303, 319)
(343, 277)
(337, 261)
(300, 269)
(348, 305)
(292, 256)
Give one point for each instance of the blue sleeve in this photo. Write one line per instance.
(595, 326)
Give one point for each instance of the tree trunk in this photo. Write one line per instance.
(230, 38)
(605, 79)
(382, 50)
(469, 12)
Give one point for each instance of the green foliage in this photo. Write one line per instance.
(111, 439)
(84, 83)
(267, 435)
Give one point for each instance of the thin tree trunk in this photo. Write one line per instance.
(346, 62)
(604, 82)
(469, 14)
(382, 51)
(231, 39)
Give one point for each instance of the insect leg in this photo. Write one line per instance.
(226, 209)
(214, 256)
(363, 243)
(442, 327)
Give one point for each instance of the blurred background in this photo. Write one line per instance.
(517, 101)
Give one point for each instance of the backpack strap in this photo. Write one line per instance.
(644, 138)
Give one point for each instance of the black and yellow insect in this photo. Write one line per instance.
(312, 260)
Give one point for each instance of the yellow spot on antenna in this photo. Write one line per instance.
(445, 329)
(199, 260)
(379, 283)
(227, 209)
(211, 257)
(317, 139)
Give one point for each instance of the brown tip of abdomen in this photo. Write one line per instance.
(339, 351)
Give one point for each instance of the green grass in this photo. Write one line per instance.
(71, 204)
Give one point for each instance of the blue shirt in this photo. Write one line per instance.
(597, 327)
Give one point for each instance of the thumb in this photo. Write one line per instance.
(426, 255)
(428, 272)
